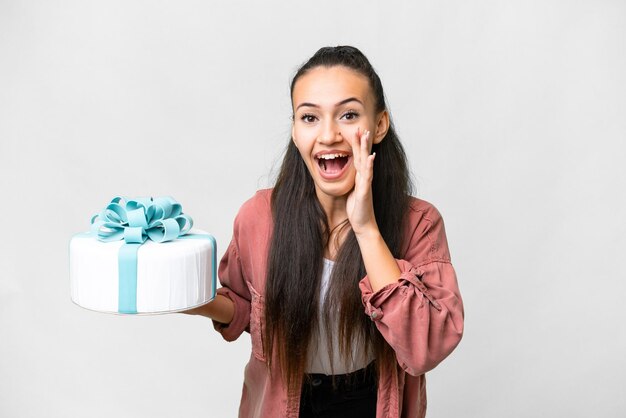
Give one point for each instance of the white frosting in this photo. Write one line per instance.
(171, 276)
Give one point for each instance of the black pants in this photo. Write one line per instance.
(354, 395)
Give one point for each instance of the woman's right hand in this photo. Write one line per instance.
(220, 309)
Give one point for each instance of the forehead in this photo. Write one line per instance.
(329, 85)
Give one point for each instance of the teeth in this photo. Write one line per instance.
(331, 156)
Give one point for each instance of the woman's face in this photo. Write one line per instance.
(330, 105)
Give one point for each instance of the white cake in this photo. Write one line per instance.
(170, 276)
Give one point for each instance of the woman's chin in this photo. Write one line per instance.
(336, 190)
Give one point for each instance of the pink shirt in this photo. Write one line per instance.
(420, 316)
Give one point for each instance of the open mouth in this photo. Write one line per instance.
(332, 163)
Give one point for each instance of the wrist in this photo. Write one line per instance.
(367, 232)
(220, 309)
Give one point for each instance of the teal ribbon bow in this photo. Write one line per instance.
(159, 219)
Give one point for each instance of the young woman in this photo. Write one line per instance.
(342, 279)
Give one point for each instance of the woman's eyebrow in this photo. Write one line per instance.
(344, 101)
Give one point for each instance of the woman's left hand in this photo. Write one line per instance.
(360, 204)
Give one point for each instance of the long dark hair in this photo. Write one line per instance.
(301, 232)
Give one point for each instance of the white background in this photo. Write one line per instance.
(513, 114)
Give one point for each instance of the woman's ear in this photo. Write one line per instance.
(382, 126)
(292, 136)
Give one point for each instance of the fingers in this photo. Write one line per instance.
(365, 157)
(363, 161)
(370, 162)
(360, 148)
(364, 146)
(355, 142)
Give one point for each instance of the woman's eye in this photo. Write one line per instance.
(350, 115)
(307, 118)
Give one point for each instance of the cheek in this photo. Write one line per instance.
(303, 138)
(300, 145)
(350, 132)
(302, 151)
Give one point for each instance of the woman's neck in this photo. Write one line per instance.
(334, 207)
(336, 214)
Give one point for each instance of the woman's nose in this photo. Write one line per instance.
(330, 133)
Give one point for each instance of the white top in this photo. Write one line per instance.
(319, 361)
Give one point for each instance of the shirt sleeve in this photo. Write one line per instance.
(231, 277)
(421, 314)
